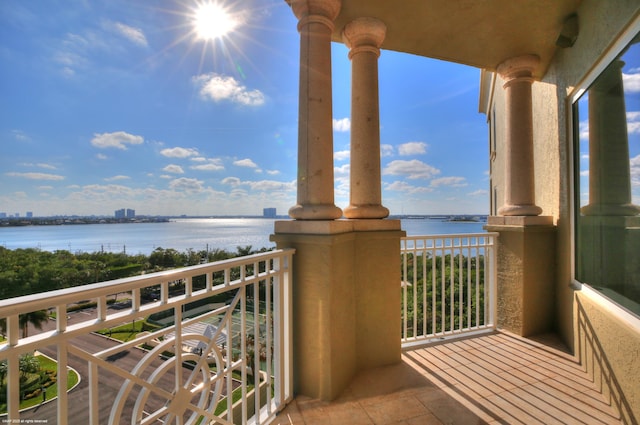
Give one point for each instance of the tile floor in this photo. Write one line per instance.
(491, 379)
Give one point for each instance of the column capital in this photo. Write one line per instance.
(518, 68)
(325, 8)
(364, 33)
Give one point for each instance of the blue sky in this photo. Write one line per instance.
(121, 104)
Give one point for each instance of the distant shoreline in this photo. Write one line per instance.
(79, 220)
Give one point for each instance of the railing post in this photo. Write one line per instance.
(13, 366)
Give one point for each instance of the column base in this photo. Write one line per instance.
(610, 209)
(315, 212)
(366, 211)
(526, 273)
(520, 210)
(346, 293)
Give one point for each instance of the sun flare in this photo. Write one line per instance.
(213, 21)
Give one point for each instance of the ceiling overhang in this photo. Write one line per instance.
(479, 33)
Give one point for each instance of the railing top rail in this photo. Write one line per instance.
(452, 236)
(68, 295)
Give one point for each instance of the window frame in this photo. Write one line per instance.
(609, 54)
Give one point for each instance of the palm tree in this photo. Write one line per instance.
(36, 318)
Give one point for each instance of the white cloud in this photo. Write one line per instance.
(20, 136)
(39, 165)
(260, 185)
(584, 130)
(342, 171)
(232, 181)
(449, 181)
(386, 150)
(412, 148)
(342, 124)
(179, 152)
(245, 163)
(479, 192)
(413, 169)
(173, 168)
(633, 122)
(219, 88)
(101, 156)
(341, 155)
(36, 176)
(631, 82)
(115, 178)
(184, 184)
(118, 140)
(635, 170)
(273, 172)
(400, 186)
(135, 35)
(211, 166)
(269, 185)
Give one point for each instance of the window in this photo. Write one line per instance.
(606, 122)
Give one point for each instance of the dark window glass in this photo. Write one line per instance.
(607, 163)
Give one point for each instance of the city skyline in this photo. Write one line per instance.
(130, 103)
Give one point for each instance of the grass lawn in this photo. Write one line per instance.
(52, 391)
(128, 331)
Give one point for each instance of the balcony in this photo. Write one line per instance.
(225, 328)
(496, 378)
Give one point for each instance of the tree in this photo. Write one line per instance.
(28, 364)
(36, 318)
(4, 369)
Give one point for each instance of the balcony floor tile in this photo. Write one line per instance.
(496, 378)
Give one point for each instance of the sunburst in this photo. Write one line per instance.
(213, 21)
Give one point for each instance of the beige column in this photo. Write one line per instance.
(364, 37)
(519, 179)
(315, 127)
(609, 167)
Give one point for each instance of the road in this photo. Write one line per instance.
(109, 383)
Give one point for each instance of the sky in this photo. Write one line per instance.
(109, 104)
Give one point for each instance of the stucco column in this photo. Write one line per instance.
(364, 37)
(609, 167)
(315, 200)
(519, 179)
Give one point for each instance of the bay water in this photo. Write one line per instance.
(182, 234)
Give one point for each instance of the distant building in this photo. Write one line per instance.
(29, 214)
(269, 213)
(125, 213)
(3, 215)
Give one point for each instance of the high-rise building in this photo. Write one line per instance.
(120, 213)
(131, 213)
(269, 212)
(29, 214)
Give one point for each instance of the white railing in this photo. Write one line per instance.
(225, 329)
(448, 286)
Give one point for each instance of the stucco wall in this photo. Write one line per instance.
(589, 327)
(616, 342)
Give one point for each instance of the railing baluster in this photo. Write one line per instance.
(93, 394)
(462, 262)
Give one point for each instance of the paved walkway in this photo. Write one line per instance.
(493, 379)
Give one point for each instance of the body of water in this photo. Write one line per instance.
(181, 234)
